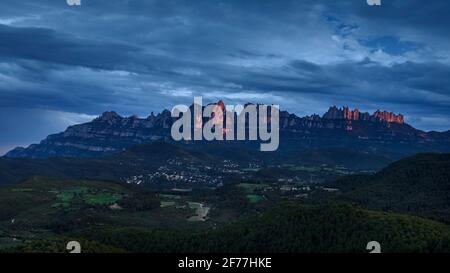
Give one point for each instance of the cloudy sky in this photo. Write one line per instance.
(62, 64)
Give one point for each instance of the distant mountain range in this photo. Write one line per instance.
(381, 132)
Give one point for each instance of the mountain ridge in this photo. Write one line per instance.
(111, 133)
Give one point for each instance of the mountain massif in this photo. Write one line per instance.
(382, 132)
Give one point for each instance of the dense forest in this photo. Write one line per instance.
(289, 227)
(417, 185)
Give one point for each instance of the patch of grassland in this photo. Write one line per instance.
(165, 204)
(170, 196)
(102, 198)
(65, 197)
(254, 198)
(250, 187)
(22, 190)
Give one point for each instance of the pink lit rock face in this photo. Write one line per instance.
(347, 114)
(389, 117)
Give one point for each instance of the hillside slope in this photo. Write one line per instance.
(418, 185)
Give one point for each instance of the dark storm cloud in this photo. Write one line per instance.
(139, 56)
(49, 46)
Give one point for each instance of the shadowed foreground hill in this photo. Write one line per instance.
(418, 185)
(290, 228)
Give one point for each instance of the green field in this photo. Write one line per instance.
(167, 204)
(253, 191)
(22, 190)
(83, 194)
(105, 198)
(254, 198)
(169, 196)
(250, 187)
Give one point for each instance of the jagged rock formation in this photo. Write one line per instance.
(389, 117)
(112, 133)
(347, 114)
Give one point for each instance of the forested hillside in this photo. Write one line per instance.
(417, 185)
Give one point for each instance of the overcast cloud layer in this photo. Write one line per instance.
(63, 64)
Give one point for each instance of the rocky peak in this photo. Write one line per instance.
(333, 113)
(346, 113)
(109, 116)
(165, 113)
(389, 117)
(221, 105)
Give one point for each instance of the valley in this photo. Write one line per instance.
(336, 182)
(41, 213)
